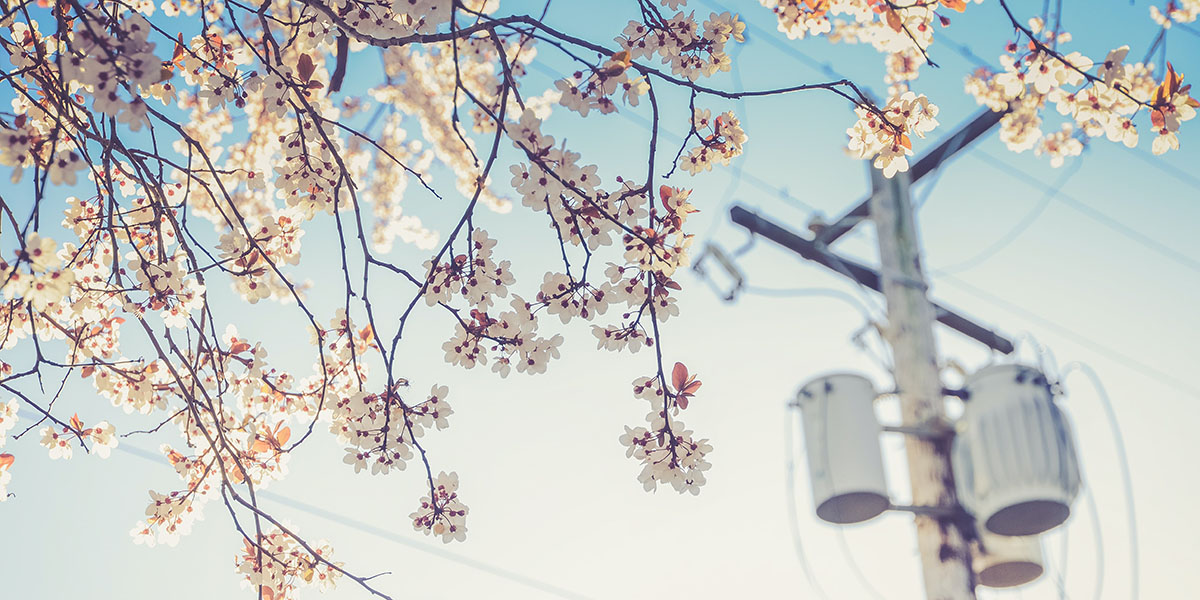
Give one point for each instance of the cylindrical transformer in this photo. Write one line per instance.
(1002, 561)
(1014, 458)
(841, 435)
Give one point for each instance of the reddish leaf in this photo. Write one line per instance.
(958, 5)
(238, 347)
(6, 460)
(894, 21)
(76, 422)
(1157, 118)
(664, 192)
(283, 435)
(305, 67)
(679, 376)
(682, 402)
(691, 388)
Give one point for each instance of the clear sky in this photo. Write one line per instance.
(1106, 274)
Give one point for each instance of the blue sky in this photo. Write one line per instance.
(1106, 274)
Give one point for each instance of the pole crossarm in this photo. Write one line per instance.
(927, 163)
(861, 274)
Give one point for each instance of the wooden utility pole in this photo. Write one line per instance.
(945, 557)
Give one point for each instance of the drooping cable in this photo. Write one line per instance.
(794, 519)
(1126, 474)
(880, 358)
(1016, 231)
(848, 554)
(1121, 358)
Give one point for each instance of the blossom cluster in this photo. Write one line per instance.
(885, 137)
(236, 119)
(380, 430)
(721, 139)
(6, 462)
(44, 281)
(442, 513)
(57, 440)
(669, 454)
(8, 420)
(584, 93)
(279, 564)
(1176, 11)
(693, 50)
(1101, 98)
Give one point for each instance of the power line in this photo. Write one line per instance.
(1121, 358)
(1020, 227)
(848, 554)
(1014, 172)
(1165, 167)
(801, 292)
(965, 51)
(780, 192)
(739, 166)
(378, 532)
(772, 39)
(1098, 534)
(857, 340)
(1126, 473)
(793, 519)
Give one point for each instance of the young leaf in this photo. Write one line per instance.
(305, 67)
(679, 376)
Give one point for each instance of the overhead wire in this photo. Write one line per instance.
(375, 531)
(780, 192)
(1121, 358)
(739, 166)
(1052, 192)
(1016, 231)
(790, 498)
(880, 358)
(848, 555)
(823, 67)
(1098, 545)
(927, 189)
(1098, 216)
(1126, 472)
(1016, 173)
(965, 51)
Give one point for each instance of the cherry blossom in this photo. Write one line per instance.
(442, 513)
(180, 153)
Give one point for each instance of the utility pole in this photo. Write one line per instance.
(941, 538)
(945, 557)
